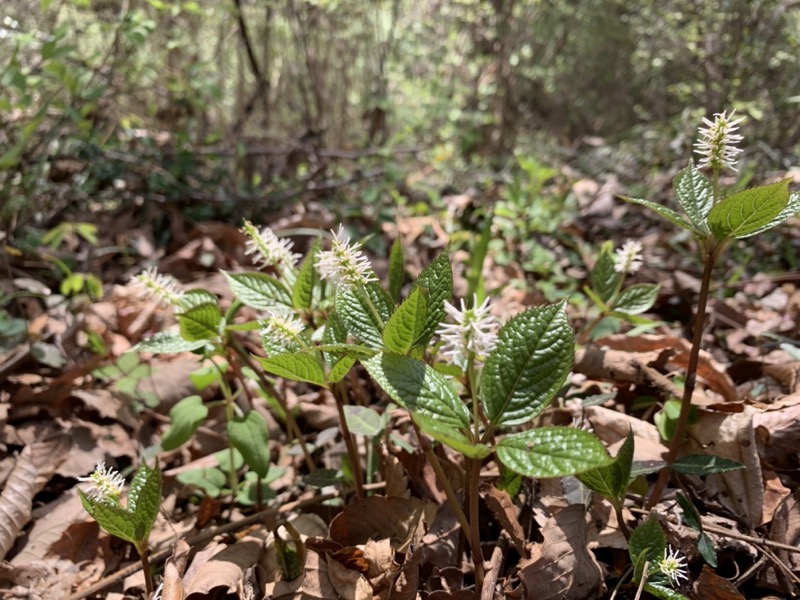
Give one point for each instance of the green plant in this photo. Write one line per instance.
(715, 220)
(132, 522)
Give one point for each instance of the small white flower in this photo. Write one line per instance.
(717, 143)
(473, 333)
(673, 565)
(107, 484)
(157, 286)
(344, 264)
(268, 248)
(629, 257)
(282, 331)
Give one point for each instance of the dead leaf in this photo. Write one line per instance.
(225, 569)
(503, 509)
(710, 586)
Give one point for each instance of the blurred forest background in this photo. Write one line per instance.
(233, 107)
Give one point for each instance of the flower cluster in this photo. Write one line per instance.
(344, 264)
(268, 248)
(107, 483)
(158, 286)
(281, 331)
(673, 565)
(629, 257)
(474, 332)
(718, 142)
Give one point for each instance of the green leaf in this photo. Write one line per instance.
(341, 368)
(636, 299)
(303, 291)
(663, 592)
(250, 436)
(605, 278)
(363, 420)
(364, 312)
(612, 480)
(196, 297)
(748, 212)
(552, 452)
(706, 547)
(185, 417)
(258, 290)
(647, 543)
(397, 270)
(450, 436)
(792, 208)
(144, 499)
(690, 515)
(300, 366)
(417, 387)
(406, 325)
(532, 359)
(114, 519)
(695, 194)
(167, 342)
(437, 280)
(665, 212)
(211, 480)
(702, 464)
(200, 322)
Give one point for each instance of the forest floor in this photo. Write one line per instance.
(72, 394)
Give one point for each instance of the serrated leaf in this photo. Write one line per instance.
(647, 543)
(144, 498)
(665, 212)
(406, 324)
(532, 359)
(114, 519)
(300, 366)
(168, 342)
(450, 436)
(418, 388)
(702, 464)
(437, 280)
(690, 515)
(185, 417)
(695, 194)
(363, 420)
(612, 480)
(250, 436)
(605, 278)
(747, 212)
(197, 297)
(663, 592)
(200, 322)
(341, 368)
(552, 452)
(361, 315)
(259, 290)
(397, 269)
(792, 208)
(636, 299)
(307, 277)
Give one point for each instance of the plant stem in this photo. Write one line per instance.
(691, 378)
(340, 394)
(474, 532)
(148, 575)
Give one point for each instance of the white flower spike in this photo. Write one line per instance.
(281, 331)
(629, 257)
(268, 249)
(344, 264)
(158, 286)
(107, 484)
(717, 143)
(673, 565)
(473, 333)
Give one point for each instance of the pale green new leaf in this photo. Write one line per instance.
(454, 438)
(250, 436)
(185, 417)
(300, 366)
(259, 290)
(612, 480)
(419, 388)
(636, 299)
(437, 280)
(695, 194)
(792, 208)
(200, 322)
(532, 359)
(363, 420)
(552, 452)
(665, 212)
(168, 342)
(406, 324)
(748, 212)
